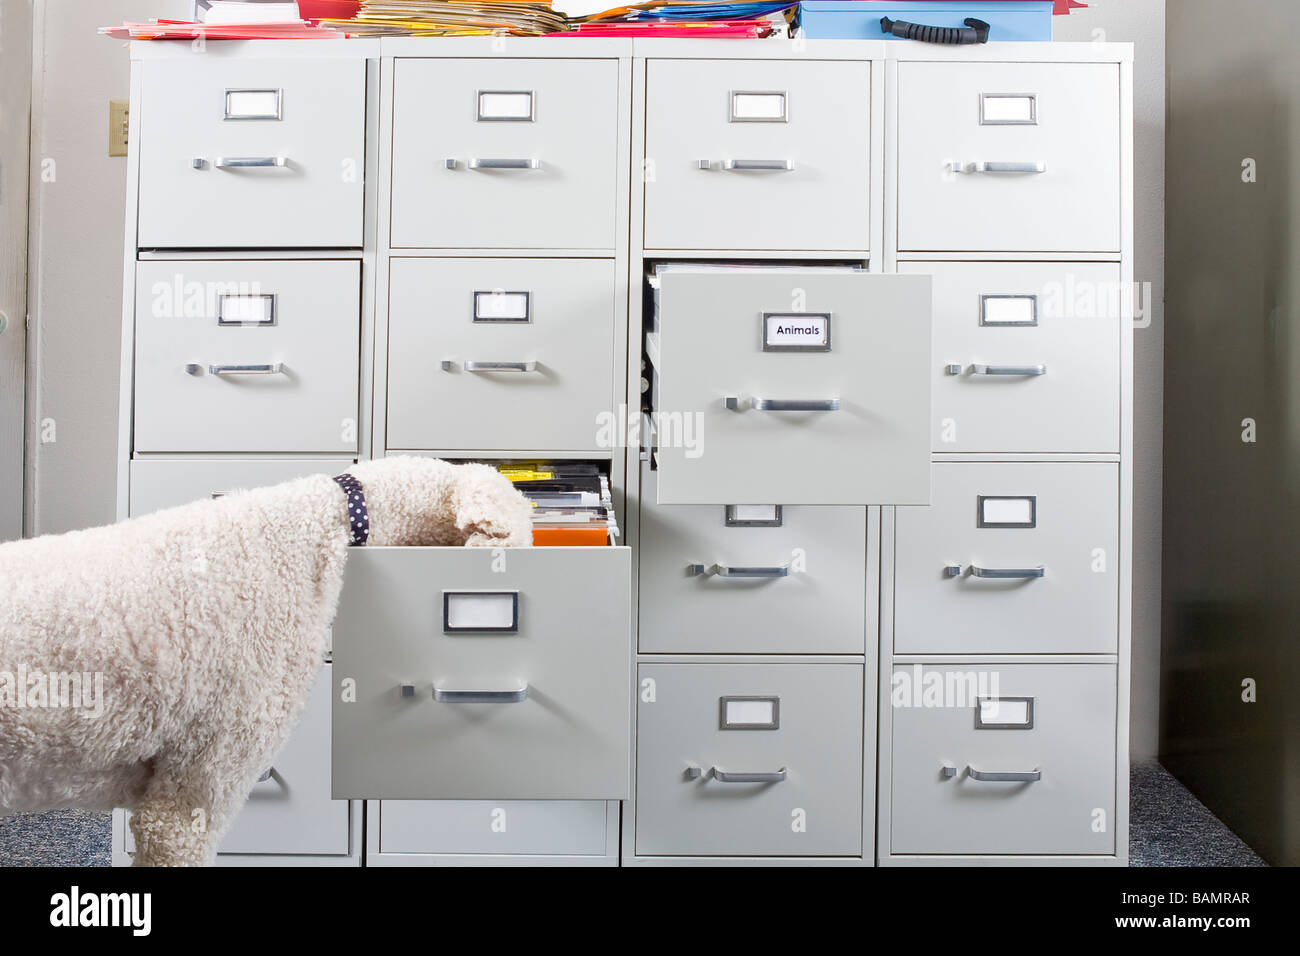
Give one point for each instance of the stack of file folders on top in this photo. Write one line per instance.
(452, 18)
(197, 30)
(690, 18)
(572, 504)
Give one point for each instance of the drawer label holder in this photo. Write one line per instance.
(1004, 713)
(796, 331)
(480, 612)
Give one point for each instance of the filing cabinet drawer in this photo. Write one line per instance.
(1010, 558)
(505, 153)
(528, 346)
(765, 154)
(506, 827)
(841, 421)
(1026, 356)
(241, 153)
(1008, 157)
(251, 356)
(291, 812)
(1041, 780)
(517, 660)
(723, 579)
(749, 760)
(165, 484)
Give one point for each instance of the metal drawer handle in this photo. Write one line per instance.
(774, 165)
(530, 366)
(250, 162)
(1033, 167)
(1005, 776)
(479, 163)
(514, 695)
(742, 776)
(733, 402)
(1008, 369)
(266, 775)
(1006, 573)
(728, 571)
(272, 368)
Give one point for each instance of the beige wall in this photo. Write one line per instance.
(78, 198)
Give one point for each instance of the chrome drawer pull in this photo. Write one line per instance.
(266, 775)
(1008, 573)
(505, 164)
(997, 167)
(727, 571)
(501, 366)
(775, 165)
(514, 695)
(1005, 776)
(250, 162)
(1008, 369)
(272, 368)
(741, 776)
(733, 402)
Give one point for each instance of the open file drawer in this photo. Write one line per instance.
(470, 673)
(793, 386)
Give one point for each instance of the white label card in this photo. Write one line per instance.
(246, 310)
(505, 105)
(252, 104)
(1009, 310)
(501, 306)
(1014, 109)
(485, 611)
(758, 107)
(764, 513)
(1017, 511)
(741, 713)
(797, 331)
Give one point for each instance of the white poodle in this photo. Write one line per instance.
(158, 664)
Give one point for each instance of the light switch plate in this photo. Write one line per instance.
(118, 111)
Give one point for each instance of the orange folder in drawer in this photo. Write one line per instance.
(574, 537)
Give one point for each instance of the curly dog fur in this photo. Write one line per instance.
(208, 624)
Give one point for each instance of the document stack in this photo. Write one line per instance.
(572, 503)
(690, 18)
(452, 18)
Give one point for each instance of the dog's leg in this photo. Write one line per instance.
(171, 830)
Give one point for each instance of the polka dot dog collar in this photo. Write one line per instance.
(358, 517)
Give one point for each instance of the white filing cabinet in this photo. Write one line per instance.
(847, 324)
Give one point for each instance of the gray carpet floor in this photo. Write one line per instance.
(1167, 827)
(1170, 827)
(57, 838)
